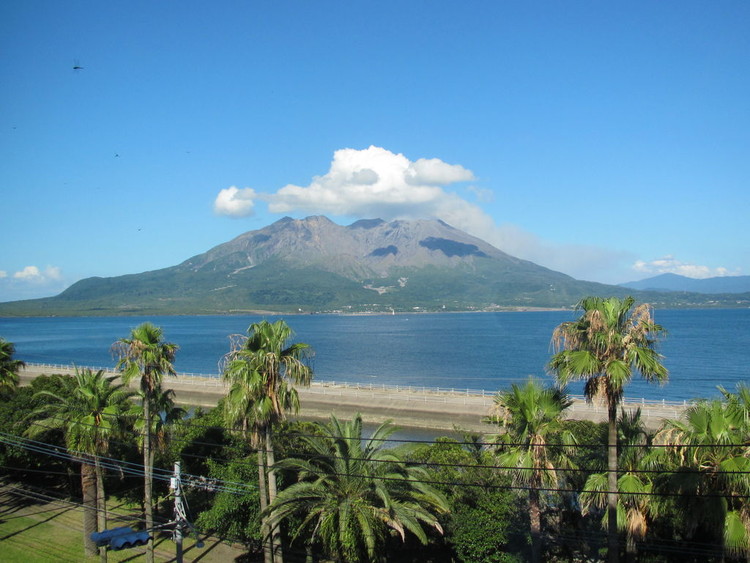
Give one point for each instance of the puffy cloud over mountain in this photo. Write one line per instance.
(235, 202)
(373, 182)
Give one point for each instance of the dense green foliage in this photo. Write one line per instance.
(352, 493)
(486, 521)
(696, 509)
(9, 366)
(235, 512)
(537, 489)
(480, 530)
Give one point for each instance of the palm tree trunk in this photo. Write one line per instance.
(148, 507)
(101, 503)
(535, 517)
(88, 490)
(278, 555)
(101, 507)
(612, 536)
(263, 493)
(631, 552)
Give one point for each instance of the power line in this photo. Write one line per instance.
(244, 488)
(655, 545)
(129, 468)
(166, 473)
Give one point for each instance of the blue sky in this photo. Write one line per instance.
(609, 141)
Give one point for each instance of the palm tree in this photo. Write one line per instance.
(146, 356)
(8, 366)
(708, 457)
(609, 341)
(262, 371)
(90, 412)
(634, 485)
(738, 404)
(351, 492)
(531, 415)
(166, 416)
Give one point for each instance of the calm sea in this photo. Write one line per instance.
(474, 351)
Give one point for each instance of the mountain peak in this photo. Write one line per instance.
(366, 224)
(314, 264)
(366, 248)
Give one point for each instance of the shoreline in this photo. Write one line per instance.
(407, 408)
(263, 313)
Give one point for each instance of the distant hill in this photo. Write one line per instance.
(313, 265)
(674, 282)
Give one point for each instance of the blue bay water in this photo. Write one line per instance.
(474, 351)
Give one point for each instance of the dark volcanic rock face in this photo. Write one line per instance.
(452, 247)
(384, 251)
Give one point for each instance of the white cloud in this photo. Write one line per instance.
(35, 275)
(235, 202)
(31, 282)
(670, 265)
(433, 171)
(373, 182)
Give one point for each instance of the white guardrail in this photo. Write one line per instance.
(437, 394)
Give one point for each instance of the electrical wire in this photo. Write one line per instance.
(244, 487)
(129, 468)
(654, 546)
(46, 496)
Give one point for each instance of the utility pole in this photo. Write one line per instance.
(179, 511)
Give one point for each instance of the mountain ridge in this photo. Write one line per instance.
(676, 282)
(314, 265)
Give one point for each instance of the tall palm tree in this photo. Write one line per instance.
(90, 412)
(262, 370)
(612, 339)
(708, 466)
(165, 418)
(351, 492)
(9, 366)
(145, 355)
(531, 415)
(634, 484)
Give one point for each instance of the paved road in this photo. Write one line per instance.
(418, 408)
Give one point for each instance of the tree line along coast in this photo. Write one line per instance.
(536, 486)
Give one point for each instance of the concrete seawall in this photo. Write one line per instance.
(408, 407)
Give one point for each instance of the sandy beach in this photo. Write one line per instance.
(408, 407)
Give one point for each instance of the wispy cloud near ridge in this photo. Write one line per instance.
(670, 265)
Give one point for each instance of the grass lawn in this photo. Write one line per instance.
(43, 531)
